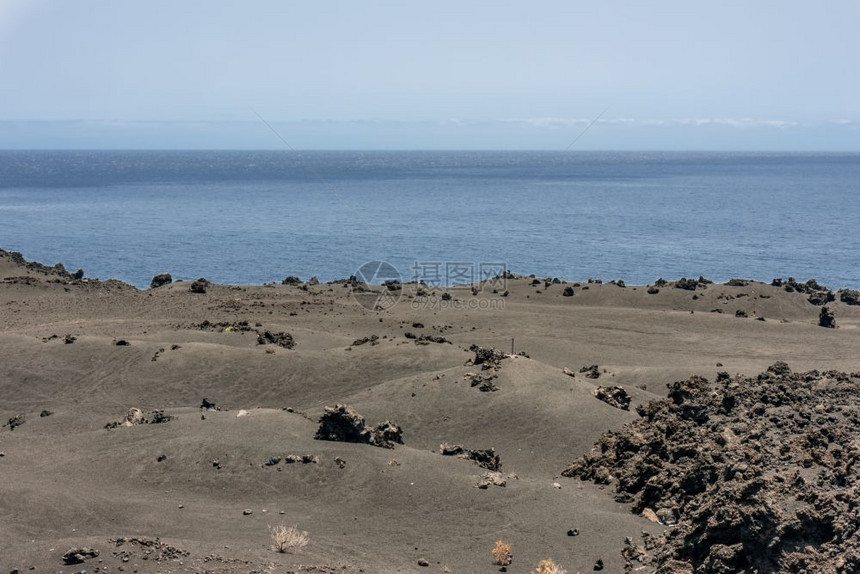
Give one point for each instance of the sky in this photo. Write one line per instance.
(598, 74)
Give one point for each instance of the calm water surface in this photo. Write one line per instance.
(253, 217)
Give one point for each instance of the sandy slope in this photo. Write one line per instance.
(65, 481)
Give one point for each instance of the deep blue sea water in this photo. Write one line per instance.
(254, 217)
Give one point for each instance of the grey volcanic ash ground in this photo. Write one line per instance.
(684, 426)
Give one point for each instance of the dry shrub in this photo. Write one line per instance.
(501, 553)
(288, 539)
(549, 567)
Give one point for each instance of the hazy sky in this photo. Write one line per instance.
(780, 75)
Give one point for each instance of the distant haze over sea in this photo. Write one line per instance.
(257, 216)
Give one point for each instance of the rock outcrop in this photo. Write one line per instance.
(756, 474)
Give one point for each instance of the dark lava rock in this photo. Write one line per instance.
(741, 313)
(281, 339)
(207, 405)
(485, 458)
(591, 371)
(160, 280)
(653, 290)
(826, 318)
(737, 282)
(688, 284)
(342, 423)
(373, 340)
(69, 339)
(779, 368)
(151, 548)
(16, 421)
(199, 286)
(386, 435)
(614, 396)
(46, 413)
(122, 343)
(78, 555)
(568, 292)
(136, 416)
(78, 275)
(754, 474)
(426, 339)
(849, 296)
(487, 358)
(291, 280)
(817, 294)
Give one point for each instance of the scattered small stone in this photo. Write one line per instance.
(16, 421)
(339, 462)
(136, 416)
(599, 564)
(78, 555)
(247, 512)
(122, 343)
(69, 339)
(573, 532)
(423, 562)
(491, 479)
(161, 458)
(46, 413)
(568, 292)
(373, 340)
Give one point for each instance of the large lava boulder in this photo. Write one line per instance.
(199, 286)
(160, 280)
(343, 423)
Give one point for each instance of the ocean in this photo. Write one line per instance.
(258, 216)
